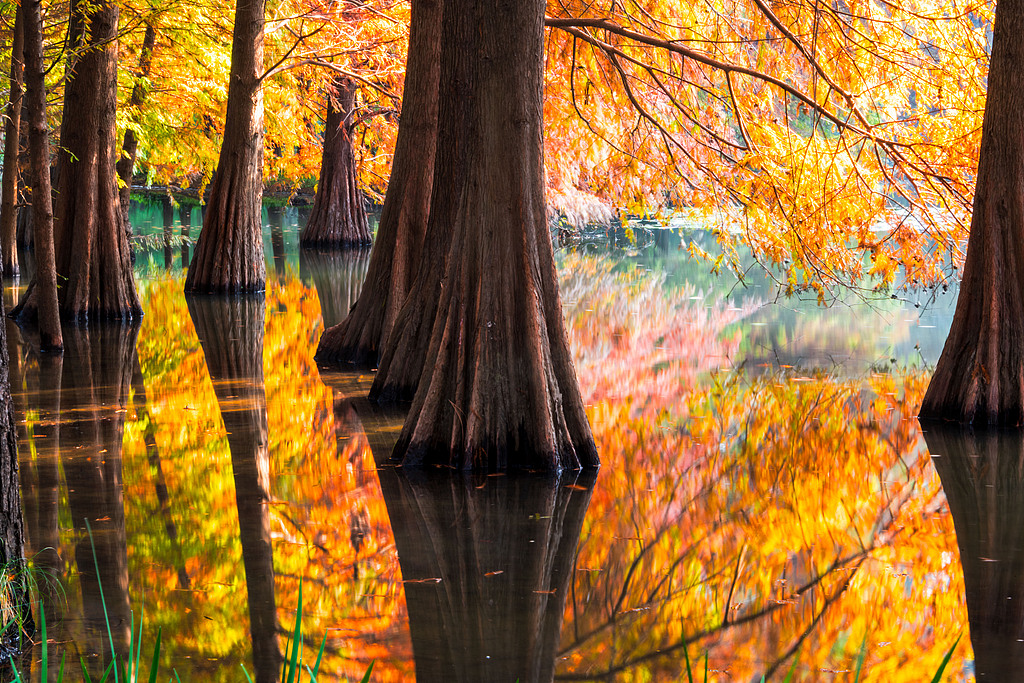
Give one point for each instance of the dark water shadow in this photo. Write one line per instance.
(337, 277)
(487, 561)
(230, 330)
(982, 475)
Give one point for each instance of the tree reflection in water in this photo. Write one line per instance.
(230, 330)
(983, 478)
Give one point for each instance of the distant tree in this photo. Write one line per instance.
(12, 125)
(338, 216)
(229, 252)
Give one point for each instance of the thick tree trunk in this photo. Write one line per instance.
(979, 378)
(12, 146)
(229, 253)
(230, 331)
(983, 478)
(410, 337)
(130, 146)
(396, 250)
(12, 526)
(92, 257)
(338, 219)
(43, 299)
(498, 388)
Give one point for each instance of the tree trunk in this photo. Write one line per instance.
(396, 250)
(983, 479)
(410, 337)
(42, 302)
(338, 219)
(168, 216)
(185, 217)
(130, 147)
(230, 331)
(12, 146)
(979, 378)
(92, 257)
(229, 253)
(498, 388)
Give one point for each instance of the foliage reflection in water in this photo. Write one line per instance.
(758, 514)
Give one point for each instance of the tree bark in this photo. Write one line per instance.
(979, 378)
(229, 253)
(92, 258)
(41, 304)
(230, 331)
(12, 147)
(338, 219)
(130, 146)
(498, 388)
(983, 478)
(403, 222)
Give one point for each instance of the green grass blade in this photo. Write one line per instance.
(60, 671)
(46, 654)
(244, 670)
(293, 660)
(17, 676)
(155, 666)
(705, 666)
(85, 670)
(861, 657)
(103, 600)
(366, 676)
(792, 672)
(179, 680)
(312, 676)
(686, 656)
(945, 660)
(319, 657)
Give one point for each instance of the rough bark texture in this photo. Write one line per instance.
(983, 478)
(979, 378)
(130, 146)
(44, 306)
(93, 262)
(396, 250)
(503, 550)
(12, 526)
(95, 390)
(230, 331)
(410, 338)
(12, 147)
(498, 388)
(229, 253)
(338, 219)
(337, 277)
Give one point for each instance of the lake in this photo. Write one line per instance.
(767, 504)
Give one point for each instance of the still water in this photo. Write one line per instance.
(767, 502)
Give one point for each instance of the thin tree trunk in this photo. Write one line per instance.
(12, 146)
(498, 388)
(185, 217)
(979, 378)
(338, 219)
(229, 254)
(230, 331)
(130, 147)
(44, 298)
(275, 217)
(168, 216)
(403, 222)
